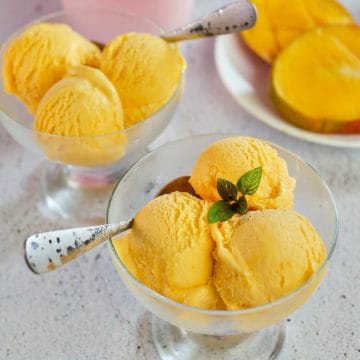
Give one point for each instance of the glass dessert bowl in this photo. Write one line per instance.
(81, 170)
(184, 332)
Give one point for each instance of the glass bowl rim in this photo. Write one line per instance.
(225, 313)
(94, 9)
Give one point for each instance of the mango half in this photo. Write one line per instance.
(315, 81)
(281, 21)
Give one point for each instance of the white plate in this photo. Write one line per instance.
(246, 78)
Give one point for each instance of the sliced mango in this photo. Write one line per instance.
(315, 81)
(281, 21)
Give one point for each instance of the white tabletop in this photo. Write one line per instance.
(83, 311)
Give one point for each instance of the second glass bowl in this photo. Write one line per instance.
(183, 332)
(79, 191)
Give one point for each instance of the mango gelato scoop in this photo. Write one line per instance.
(169, 249)
(40, 56)
(84, 112)
(145, 71)
(264, 255)
(234, 156)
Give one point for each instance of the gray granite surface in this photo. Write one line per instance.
(83, 310)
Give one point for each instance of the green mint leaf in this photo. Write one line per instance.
(226, 189)
(250, 181)
(220, 211)
(230, 204)
(240, 206)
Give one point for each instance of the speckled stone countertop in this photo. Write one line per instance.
(83, 311)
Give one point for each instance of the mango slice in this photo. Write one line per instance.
(281, 21)
(315, 81)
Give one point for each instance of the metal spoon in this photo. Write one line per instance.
(49, 250)
(231, 18)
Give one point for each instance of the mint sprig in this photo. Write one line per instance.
(231, 204)
(250, 181)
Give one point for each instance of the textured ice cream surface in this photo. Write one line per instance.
(85, 108)
(40, 56)
(83, 103)
(264, 255)
(145, 70)
(169, 249)
(232, 157)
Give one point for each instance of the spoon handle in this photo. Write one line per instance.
(49, 250)
(231, 18)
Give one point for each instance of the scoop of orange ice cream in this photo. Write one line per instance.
(169, 249)
(40, 56)
(145, 70)
(232, 157)
(84, 112)
(264, 255)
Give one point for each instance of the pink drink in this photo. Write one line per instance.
(169, 14)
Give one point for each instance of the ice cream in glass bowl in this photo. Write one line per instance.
(89, 90)
(220, 283)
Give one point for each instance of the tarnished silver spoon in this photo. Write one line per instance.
(231, 18)
(49, 250)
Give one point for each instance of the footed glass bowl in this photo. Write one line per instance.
(183, 332)
(80, 172)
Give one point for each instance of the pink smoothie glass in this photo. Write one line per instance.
(169, 14)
